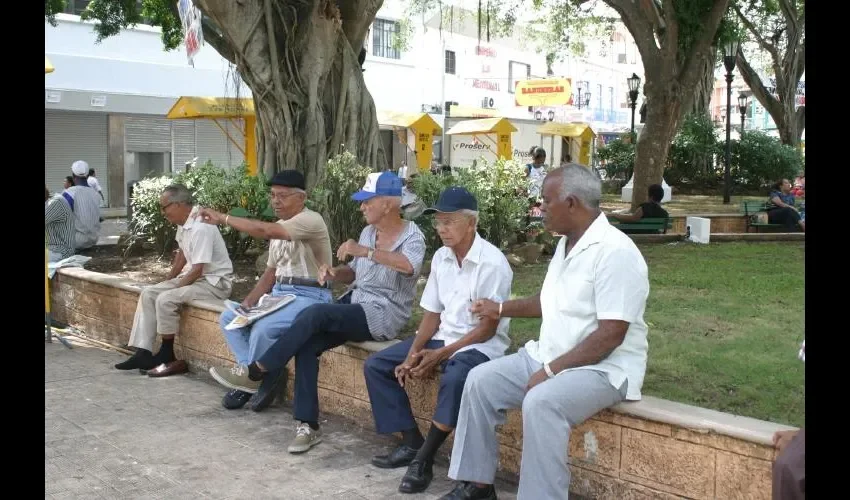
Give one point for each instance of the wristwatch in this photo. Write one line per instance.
(370, 254)
(548, 370)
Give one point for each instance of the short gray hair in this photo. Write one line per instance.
(470, 213)
(178, 193)
(579, 181)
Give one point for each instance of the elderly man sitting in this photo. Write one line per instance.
(386, 265)
(59, 225)
(449, 340)
(201, 270)
(591, 353)
(299, 246)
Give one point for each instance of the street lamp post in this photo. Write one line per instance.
(743, 104)
(579, 88)
(730, 56)
(634, 84)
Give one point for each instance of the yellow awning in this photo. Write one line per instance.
(409, 120)
(48, 67)
(211, 107)
(482, 126)
(564, 129)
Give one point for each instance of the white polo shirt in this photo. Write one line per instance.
(451, 290)
(604, 277)
(202, 243)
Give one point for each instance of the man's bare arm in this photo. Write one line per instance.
(593, 349)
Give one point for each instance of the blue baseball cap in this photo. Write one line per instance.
(453, 199)
(379, 184)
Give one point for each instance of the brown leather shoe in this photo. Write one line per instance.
(167, 369)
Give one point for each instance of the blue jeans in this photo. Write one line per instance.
(249, 343)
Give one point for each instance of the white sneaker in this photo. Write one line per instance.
(305, 438)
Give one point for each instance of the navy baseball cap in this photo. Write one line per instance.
(379, 184)
(453, 199)
(288, 178)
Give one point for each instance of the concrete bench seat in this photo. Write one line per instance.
(651, 448)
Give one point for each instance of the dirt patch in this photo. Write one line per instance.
(147, 267)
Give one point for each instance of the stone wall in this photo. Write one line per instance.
(648, 449)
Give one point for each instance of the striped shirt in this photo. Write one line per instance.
(59, 225)
(386, 294)
(86, 204)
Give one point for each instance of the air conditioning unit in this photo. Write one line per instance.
(487, 102)
(698, 229)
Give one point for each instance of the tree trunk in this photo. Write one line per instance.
(663, 107)
(705, 88)
(300, 62)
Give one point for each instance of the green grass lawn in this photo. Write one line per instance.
(687, 204)
(725, 324)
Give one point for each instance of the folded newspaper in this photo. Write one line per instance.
(265, 306)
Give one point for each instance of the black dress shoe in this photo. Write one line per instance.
(399, 457)
(140, 359)
(272, 382)
(418, 476)
(468, 491)
(235, 399)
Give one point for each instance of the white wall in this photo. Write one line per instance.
(132, 62)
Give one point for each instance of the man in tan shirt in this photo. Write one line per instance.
(299, 246)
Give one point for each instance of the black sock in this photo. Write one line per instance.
(166, 351)
(254, 372)
(313, 425)
(432, 443)
(412, 438)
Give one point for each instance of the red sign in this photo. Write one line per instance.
(485, 84)
(485, 51)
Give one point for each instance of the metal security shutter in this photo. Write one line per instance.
(213, 144)
(72, 136)
(183, 140)
(147, 135)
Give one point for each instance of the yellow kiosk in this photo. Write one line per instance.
(485, 129)
(579, 140)
(217, 108)
(417, 131)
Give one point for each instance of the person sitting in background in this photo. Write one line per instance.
(85, 202)
(650, 209)
(783, 210)
(59, 225)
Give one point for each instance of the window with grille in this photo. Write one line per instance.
(383, 37)
(451, 62)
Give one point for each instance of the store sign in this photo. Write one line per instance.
(485, 84)
(543, 92)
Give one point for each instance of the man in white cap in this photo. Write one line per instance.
(85, 202)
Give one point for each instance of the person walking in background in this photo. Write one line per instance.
(95, 184)
(85, 202)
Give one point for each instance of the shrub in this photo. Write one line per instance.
(759, 160)
(214, 187)
(502, 209)
(619, 158)
(692, 155)
(331, 197)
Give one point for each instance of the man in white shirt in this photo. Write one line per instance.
(85, 202)
(201, 270)
(591, 353)
(450, 339)
(93, 183)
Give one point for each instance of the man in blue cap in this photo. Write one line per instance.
(299, 246)
(387, 261)
(450, 340)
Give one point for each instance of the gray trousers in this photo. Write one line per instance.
(549, 411)
(158, 309)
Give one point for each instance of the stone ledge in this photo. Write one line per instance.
(651, 448)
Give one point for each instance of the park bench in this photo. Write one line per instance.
(647, 225)
(751, 210)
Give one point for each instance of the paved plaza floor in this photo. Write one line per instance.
(113, 434)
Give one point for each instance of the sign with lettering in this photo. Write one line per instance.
(485, 84)
(543, 92)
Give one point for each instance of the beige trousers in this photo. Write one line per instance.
(158, 310)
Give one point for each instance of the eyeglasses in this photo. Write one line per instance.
(163, 208)
(448, 222)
